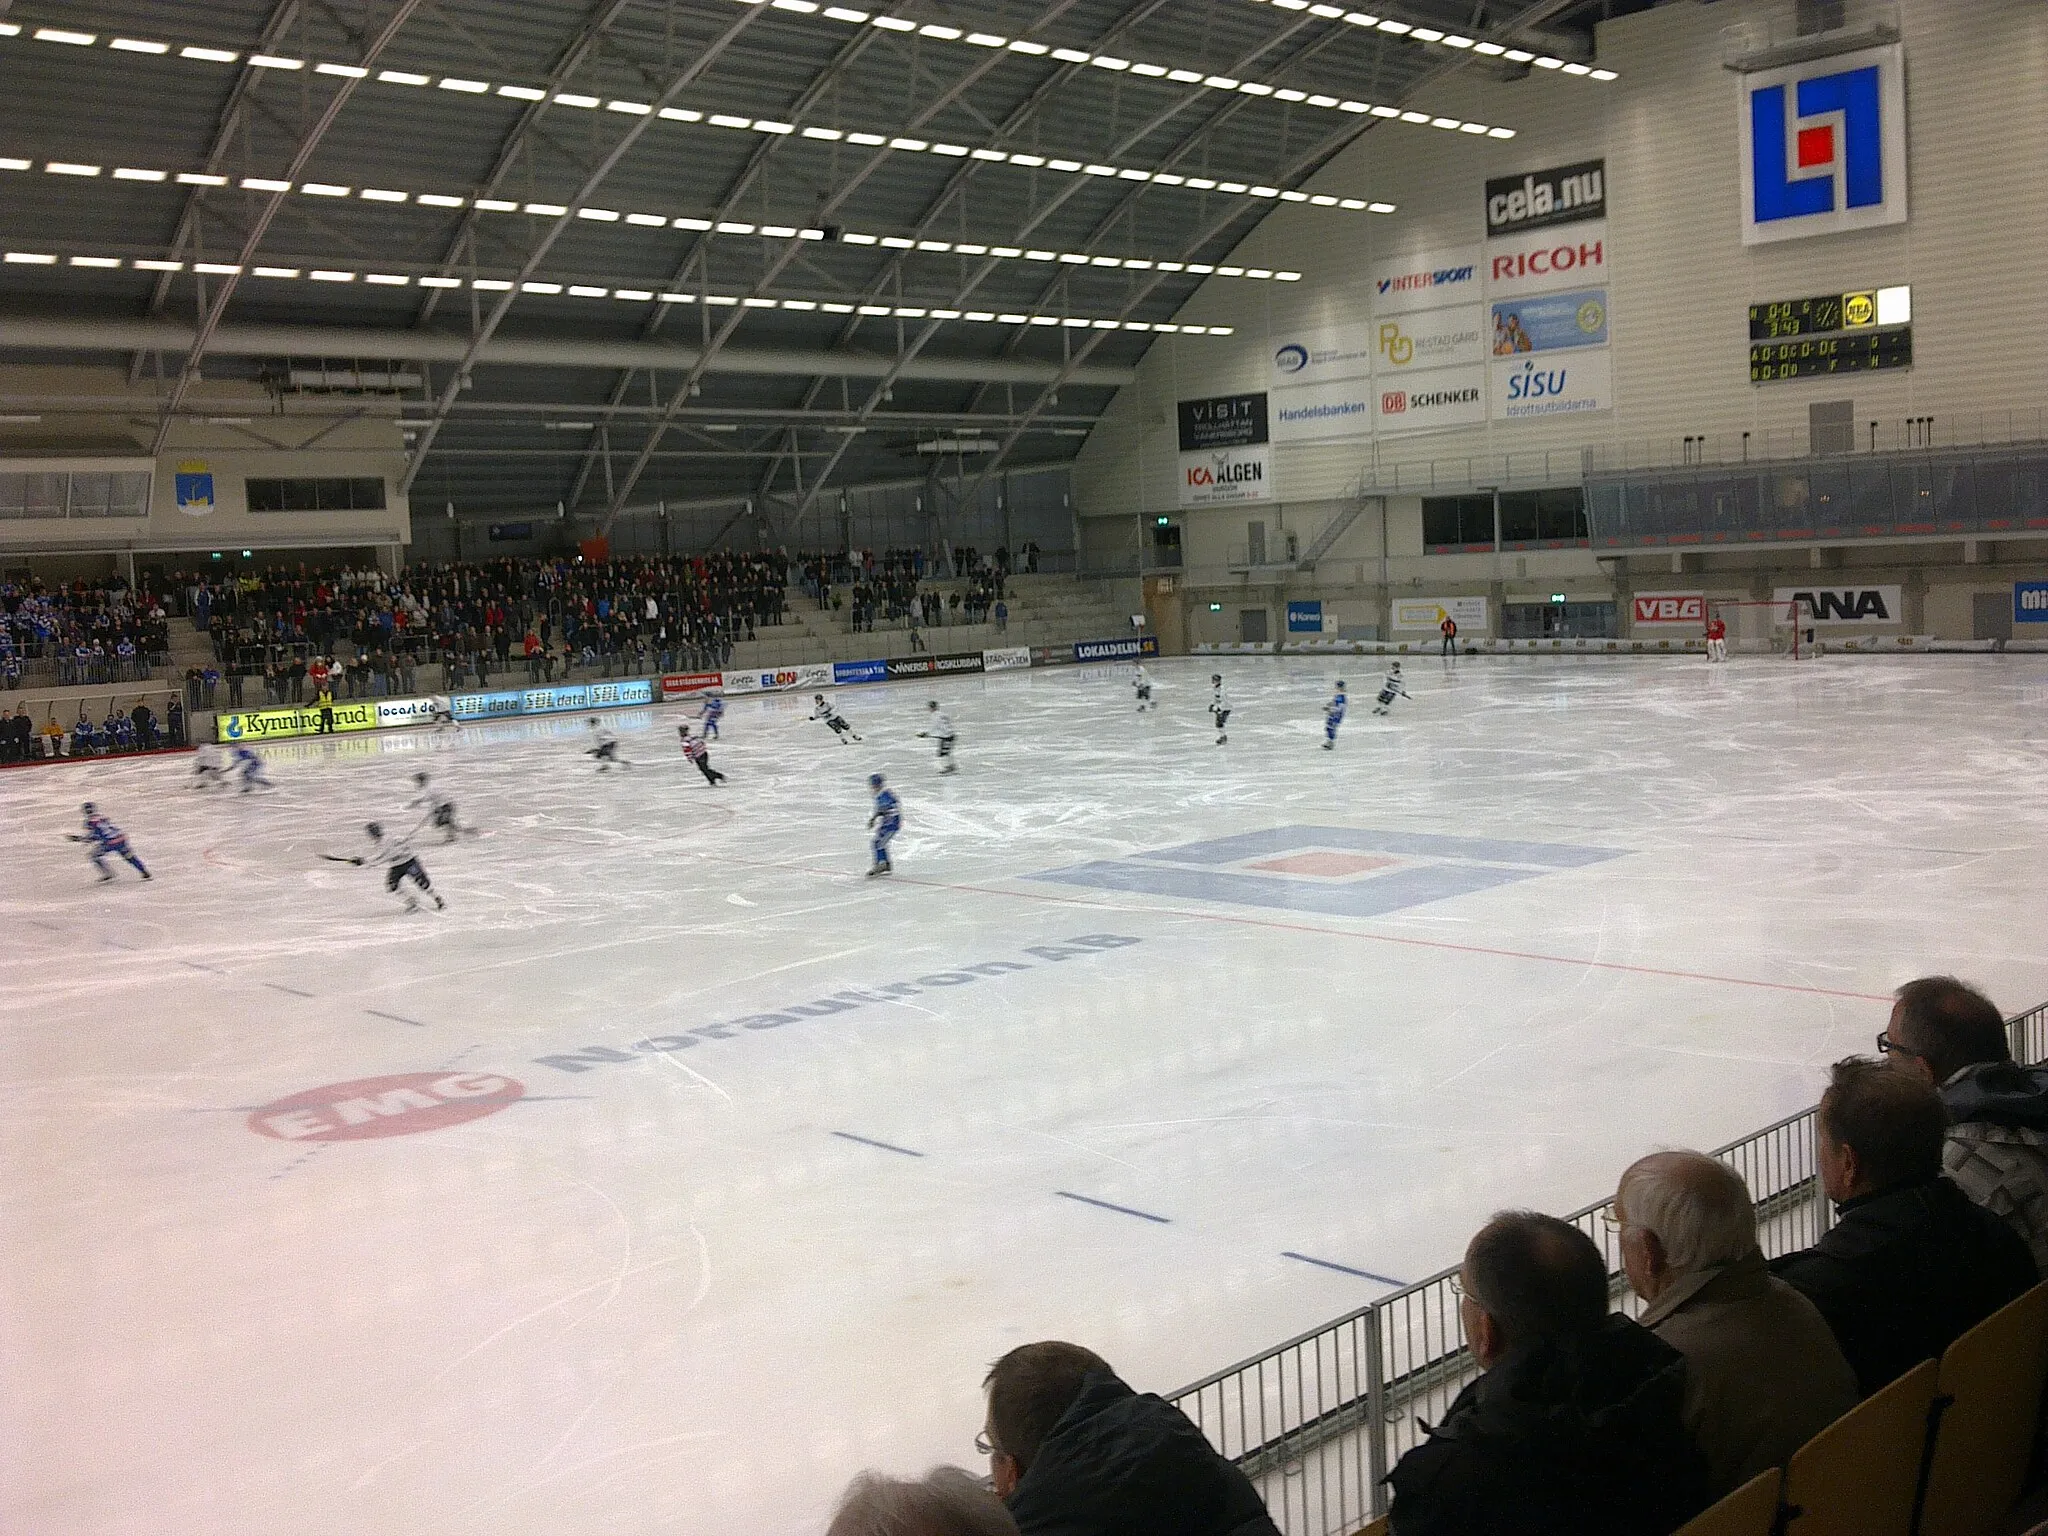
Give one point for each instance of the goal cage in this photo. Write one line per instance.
(1768, 628)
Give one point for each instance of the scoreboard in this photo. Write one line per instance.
(1829, 333)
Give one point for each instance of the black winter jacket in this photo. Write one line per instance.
(1581, 1438)
(1121, 1464)
(1904, 1271)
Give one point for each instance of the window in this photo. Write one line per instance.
(87, 493)
(1542, 517)
(361, 495)
(1455, 521)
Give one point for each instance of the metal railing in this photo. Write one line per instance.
(1319, 1421)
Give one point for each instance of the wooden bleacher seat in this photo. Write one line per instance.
(1751, 1510)
(1994, 1375)
(1378, 1527)
(1859, 1476)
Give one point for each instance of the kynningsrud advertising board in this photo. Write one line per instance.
(1429, 612)
(282, 724)
(1222, 421)
(1839, 605)
(1425, 280)
(1685, 610)
(1116, 650)
(1563, 194)
(1319, 356)
(1321, 412)
(1823, 145)
(1437, 338)
(508, 703)
(1009, 659)
(1443, 397)
(1546, 260)
(1222, 476)
(680, 685)
(1550, 322)
(1563, 384)
(777, 679)
(958, 662)
(859, 671)
(2030, 602)
(909, 666)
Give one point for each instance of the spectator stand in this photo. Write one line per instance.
(1318, 1421)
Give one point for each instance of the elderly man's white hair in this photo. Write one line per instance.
(1697, 1206)
(944, 1502)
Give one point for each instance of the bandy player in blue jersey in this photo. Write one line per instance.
(885, 823)
(105, 840)
(1333, 716)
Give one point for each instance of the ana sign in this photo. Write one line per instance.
(1842, 605)
(1688, 609)
(1824, 146)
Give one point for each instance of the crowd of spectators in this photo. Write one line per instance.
(136, 729)
(1583, 1419)
(891, 586)
(81, 633)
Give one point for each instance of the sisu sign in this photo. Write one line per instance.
(1566, 384)
(1824, 146)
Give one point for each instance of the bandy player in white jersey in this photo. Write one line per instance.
(1141, 684)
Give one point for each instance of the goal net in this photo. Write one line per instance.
(1764, 628)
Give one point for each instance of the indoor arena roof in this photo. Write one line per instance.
(635, 250)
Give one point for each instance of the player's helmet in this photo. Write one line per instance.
(874, 781)
(373, 829)
(1397, 666)
(1340, 682)
(933, 704)
(1215, 677)
(88, 808)
(817, 698)
(420, 779)
(592, 722)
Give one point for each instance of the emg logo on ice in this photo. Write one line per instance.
(1824, 146)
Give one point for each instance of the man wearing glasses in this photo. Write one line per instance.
(1947, 1033)
(1074, 1451)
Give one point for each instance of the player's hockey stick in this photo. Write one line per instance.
(341, 858)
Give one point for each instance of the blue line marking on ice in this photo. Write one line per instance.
(1228, 850)
(378, 1013)
(1068, 1194)
(1365, 898)
(1342, 1269)
(868, 1141)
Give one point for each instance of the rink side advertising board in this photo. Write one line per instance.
(242, 726)
(509, 704)
(1840, 605)
(777, 679)
(959, 661)
(1469, 613)
(419, 711)
(909, 666)
(2030, 602)
(1009, 659)
(859, 671)
(1116, 650)
(680, 685)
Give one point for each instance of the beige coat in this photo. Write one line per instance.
(1763, 1372)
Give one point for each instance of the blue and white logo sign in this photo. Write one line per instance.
(1305, 618)
(1562, 385)
(1338, 351)
(1290, 357)
(2030, 602)
(1824, 146)
(194, 486)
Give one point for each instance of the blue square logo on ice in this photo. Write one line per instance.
(1824, 146)
(1339, 871)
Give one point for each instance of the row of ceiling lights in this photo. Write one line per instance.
(581, 100)
(1422, 34)
(390, 196)
(549, 289)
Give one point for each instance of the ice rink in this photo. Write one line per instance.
(715, 1172)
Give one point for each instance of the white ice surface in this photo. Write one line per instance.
(664, 1296)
